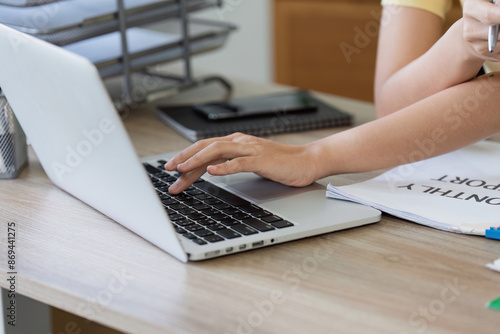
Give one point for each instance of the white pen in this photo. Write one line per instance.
(493, 35)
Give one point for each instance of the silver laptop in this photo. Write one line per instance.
(66, 112)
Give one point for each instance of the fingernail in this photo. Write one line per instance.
(172, 188)
(179, 166)
(212, 169)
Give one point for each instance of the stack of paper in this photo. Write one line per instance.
(458, 191)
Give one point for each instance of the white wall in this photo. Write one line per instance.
(247, 53)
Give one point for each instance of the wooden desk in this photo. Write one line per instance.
(391, 277)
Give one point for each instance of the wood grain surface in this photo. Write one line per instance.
(391, 277)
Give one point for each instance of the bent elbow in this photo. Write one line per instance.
(382, 106)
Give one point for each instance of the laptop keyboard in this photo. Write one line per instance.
(205, 213)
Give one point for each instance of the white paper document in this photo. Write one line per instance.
(494, 266)
(458, 191)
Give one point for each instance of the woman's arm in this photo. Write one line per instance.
(414, 62)
(441, 123)
(438, 124)
(440, 109)
(407, 34)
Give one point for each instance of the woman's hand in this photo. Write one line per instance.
(478, 16)
(287, 164)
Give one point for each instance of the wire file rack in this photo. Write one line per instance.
(111, 34)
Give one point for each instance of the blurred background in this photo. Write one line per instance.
(323, 45)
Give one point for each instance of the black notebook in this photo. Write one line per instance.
(194, 126)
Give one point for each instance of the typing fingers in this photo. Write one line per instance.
(215, 153)
(218, 167)
(192, 150)
(186, 180)
(193, 161)
(184, 155)
(237, 165)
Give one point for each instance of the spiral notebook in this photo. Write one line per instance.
(194, 126)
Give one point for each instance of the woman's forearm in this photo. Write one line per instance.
(436, 125)
(447, 63)
(441, 123)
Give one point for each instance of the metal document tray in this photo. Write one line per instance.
(66, 22)
(26, 3)
(148, 48)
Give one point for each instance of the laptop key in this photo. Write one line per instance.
(174, 216)
(169, 201)
(213, 238)
(182, 197)
(203, 196)
(210, 212)
(203, 233)
(221, 206)
(150, 169)
(167, 178)
(186, 211)
(201, 207)
(216, 227)
(240, 216)
(231, 211)
(199, 241)
(195, 216)
(271, 219)
(180, 230)
(219, 216)
(221, 194)
(194, 192)
(213, 201)
(250, 208)
(282, 224)
(191, 202)
(229, 222)
(193, 227)
(206, 221)
(261, 213)
(257, 224)
(183, 222)
(163, 196)
(244, 229)
(189, 236)
(177, 206)
(163, 189)
(158, 184)
(228, 234)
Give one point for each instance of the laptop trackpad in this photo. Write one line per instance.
(300, 205)
(259, 189)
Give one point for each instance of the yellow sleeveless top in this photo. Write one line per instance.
(438, 7)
